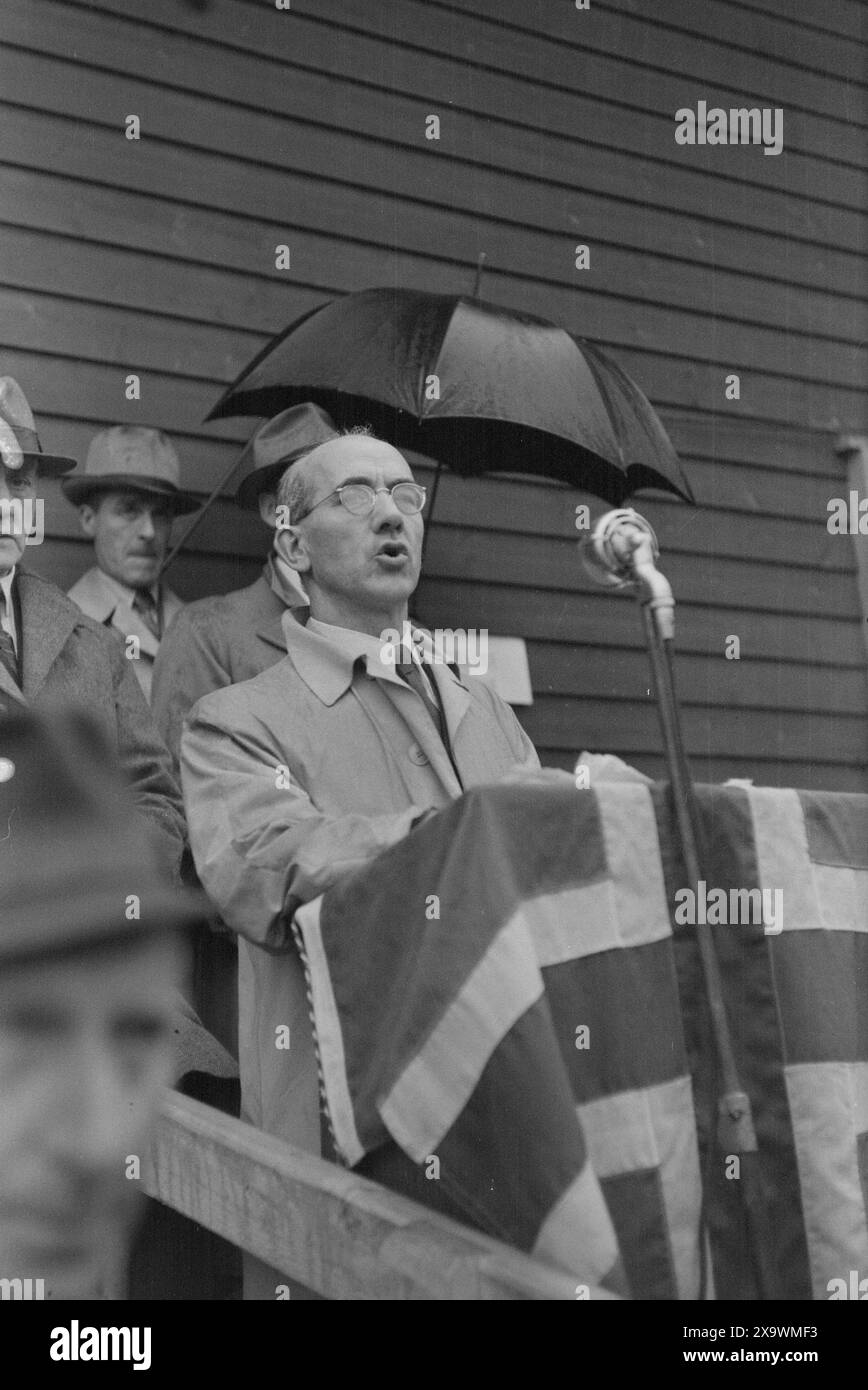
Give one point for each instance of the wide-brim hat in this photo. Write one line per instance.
(19, 442)
(278, 443)
(77, 866)
(131, 457)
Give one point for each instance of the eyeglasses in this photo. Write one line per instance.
(359, 498)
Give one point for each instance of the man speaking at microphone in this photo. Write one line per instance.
(310, 769)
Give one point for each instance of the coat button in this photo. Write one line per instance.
(418, 755)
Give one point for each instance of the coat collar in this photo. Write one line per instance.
(328, 671)
(10, 592)
(278, 599)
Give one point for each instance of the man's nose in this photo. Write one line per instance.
(147, 529)
(385, 512)
(94, 1111)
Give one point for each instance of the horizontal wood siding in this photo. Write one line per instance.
(557, 129)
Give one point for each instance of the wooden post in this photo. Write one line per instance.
(339, 1234)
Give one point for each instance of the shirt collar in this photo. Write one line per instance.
(354, 646)
(6, 581)
(123, 593)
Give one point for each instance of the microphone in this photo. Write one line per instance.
(621, 553)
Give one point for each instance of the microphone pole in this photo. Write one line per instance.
(621, 553)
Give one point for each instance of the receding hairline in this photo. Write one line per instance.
(293, 487)
(356, 439)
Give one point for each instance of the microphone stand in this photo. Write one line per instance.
(621, 554)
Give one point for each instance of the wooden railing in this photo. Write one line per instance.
(323, 1226)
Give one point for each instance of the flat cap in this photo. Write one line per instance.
(76, 863)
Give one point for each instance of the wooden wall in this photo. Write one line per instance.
(557, 128)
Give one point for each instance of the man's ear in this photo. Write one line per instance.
(292, 548)
(268, 508)
(87, 518)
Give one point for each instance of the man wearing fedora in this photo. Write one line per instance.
(127, 497)
(51, 654)
(87, 998)
(231, 637)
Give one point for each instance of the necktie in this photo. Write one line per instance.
(7, 646)
(412, 674)
(148, 610)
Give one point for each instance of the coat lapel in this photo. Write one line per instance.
(48, 620)
(172, 606)
(454, 697)
(100, 600)
(8, 687)
(402, 707)
(126, 621)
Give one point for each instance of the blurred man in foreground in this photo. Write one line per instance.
(89, 965)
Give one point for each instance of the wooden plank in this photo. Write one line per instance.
(36, 269)
(140, 341)
(334, 1231)
(781, 39)
(188, 64)
(605, 672)
(445, 173)
(550, 567)
(845, 17)
(512, 505)
(601, 726)
(719, 436)
(125, 217)
(581, 617)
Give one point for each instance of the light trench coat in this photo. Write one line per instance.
(293, 779)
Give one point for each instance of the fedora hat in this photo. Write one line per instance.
(131, 456)
(75, 849)
(19, 441)
(274, 446)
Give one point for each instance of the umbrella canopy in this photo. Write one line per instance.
(476, 386)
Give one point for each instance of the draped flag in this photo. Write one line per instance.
(511, 1025)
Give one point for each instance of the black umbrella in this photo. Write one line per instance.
(478, 387)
